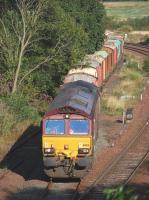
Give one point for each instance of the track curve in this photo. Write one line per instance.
(122, 169)
(138, 48)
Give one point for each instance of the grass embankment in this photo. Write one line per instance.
(127, 92)
(127, 16)
(125, 10)
(17, 113)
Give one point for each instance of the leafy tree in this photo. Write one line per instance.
(17, 32)
(90, 14)
(38, 35)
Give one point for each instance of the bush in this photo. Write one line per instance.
(7, 119)
(19, 104)
(146, 67)
(131, 74)
(126, 92)
(119, 193)
(123, 193)
(128, 25)
(112, 105)
(133, 65)
(125, 28)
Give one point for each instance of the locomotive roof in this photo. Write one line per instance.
(77, 97)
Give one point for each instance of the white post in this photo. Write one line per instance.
(141, 97)
(123, 117)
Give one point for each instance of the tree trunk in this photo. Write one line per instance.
(14, 88)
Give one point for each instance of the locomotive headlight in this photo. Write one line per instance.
(66, 147)
(49, 150)
(67, 116)
(83, 151)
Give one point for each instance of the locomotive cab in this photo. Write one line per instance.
(66, 138)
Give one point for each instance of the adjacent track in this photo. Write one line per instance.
(121, 170)
(138, 48)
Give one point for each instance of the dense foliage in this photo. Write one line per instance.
(125, 193)
(39, 42)
(121, 0)
(90, 14)
(128, 25)
(74, 27)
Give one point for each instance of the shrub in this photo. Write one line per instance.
(133, 65)
(125, 28)
(126, 87)
(146, 67)
(131, 74)
(7, 119)
(119, 193)
(112, 105)
(19, 105)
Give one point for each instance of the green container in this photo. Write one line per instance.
(103, 54)
(118, 46)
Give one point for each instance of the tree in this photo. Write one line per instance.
(90, 14)
(38, 35)
(18, 32)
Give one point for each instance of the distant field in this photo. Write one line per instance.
(124, 10)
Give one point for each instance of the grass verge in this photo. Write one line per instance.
(126, 93)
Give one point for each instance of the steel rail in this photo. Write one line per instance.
(114, 162)
(142, 52)
(141, 49)
(135, 170)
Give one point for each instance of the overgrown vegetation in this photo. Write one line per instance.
(129, 24)
(127, 16)
(39, 42)
(146, 67)
(127, 92)
(124, 10)
(91, 16)
(125, 193)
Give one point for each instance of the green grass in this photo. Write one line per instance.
(126, 93)
(112, 106)
(7, 119)
(124, 10)
(16, 109)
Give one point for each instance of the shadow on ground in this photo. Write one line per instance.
(38, 194)
(27, 194)
(141, 191)
(25, 156)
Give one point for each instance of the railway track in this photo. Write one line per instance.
(122, 169)
(57, 191)
(138, 48)
(68, 191)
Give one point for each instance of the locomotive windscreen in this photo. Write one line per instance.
(79, 127)
(56, 127)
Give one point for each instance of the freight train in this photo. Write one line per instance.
(70, 126)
